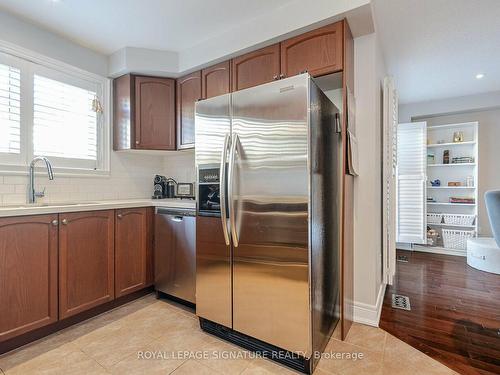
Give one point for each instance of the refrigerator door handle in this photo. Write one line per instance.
(232, 219)
(222, 174)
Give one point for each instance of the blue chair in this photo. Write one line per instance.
(492, 199)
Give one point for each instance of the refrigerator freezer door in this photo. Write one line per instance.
(269, 197)
(213, 253)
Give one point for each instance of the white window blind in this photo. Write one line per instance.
(411, 180)
(64, 123)
(10, 109)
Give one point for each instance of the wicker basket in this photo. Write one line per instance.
(456, 239)
(434, 218)
(459, 219)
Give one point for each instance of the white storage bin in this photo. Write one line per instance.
(456, 239)
(459, 219)
(433, 218)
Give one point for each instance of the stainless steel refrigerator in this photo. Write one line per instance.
(269, 167)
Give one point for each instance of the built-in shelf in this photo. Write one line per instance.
(451, 225)
(451, 187)
(451, 144)
(462, 125)
(451, 165)
(450, 204)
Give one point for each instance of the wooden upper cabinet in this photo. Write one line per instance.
(188, 93)
(319, 52)
(133, 250)
(216, 80)
(86, 260)
(256, 68)
(144, 113)
(28, 274)
(154, 113)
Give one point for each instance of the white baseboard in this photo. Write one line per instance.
(370, 314)
(440, 250)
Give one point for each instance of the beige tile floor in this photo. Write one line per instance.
(141, 338)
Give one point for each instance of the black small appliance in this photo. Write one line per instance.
(159, 187)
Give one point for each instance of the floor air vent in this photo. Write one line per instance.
(402, 258)
(401, 302)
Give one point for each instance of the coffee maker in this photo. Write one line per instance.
(163, 187)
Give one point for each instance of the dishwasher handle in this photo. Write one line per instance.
(177, 219)
(175, 212)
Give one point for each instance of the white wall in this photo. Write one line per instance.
(21, 33)
(459, 104)
(180, 166)
(489, 154)
(369, 75)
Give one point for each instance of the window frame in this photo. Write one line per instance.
(31, 63)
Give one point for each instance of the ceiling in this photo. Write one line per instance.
(435, 48)
(109, 25)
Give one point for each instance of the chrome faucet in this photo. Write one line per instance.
(32, 193)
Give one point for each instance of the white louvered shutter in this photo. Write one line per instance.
(411, 180)
(390, 143)
(64, 124)
(10, 109)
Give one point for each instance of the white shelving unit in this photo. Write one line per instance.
(439, 139)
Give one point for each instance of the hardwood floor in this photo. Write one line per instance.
(455, 311)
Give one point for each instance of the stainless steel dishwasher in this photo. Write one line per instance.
(175, 257)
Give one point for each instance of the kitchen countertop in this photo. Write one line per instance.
(53, 208)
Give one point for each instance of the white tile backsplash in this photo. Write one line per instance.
(131, 177)
(180, 166)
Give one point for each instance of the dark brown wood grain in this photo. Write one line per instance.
(216, 80)
(347, 254)
(150, 215)
(154, 113)
(318, 52)
(28, 274)
(131, 250)
(188, 93)
(123, 113)
(86, 260)
(256, 68)
(455, 311)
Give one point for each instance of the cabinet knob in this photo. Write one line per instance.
(275, 77)
(282, 76)
(119, 216)
(64, 221)
(136, 142)
(55, 222)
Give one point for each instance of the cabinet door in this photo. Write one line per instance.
(132, 250)
(188, 92)
(86, 260)
(154, 113)
(256, 68)
(216, 80)
(28, 274)
(319, 52)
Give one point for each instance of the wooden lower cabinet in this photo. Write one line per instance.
(86, 261)
(133, 250)
(28, 274)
